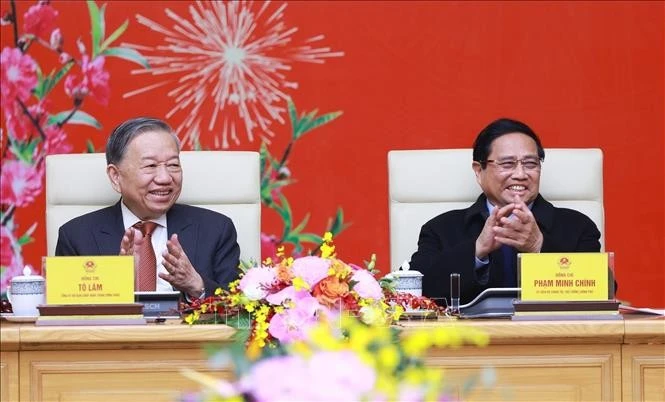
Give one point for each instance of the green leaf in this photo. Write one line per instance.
(293, 116)
(127, 54)
(320, 121)
(102, 21)
(27, 238)
(115, 35)
(285, 212)
(304, 121)
(24, 151)
(96, 25)
(338, 224)
(301, 225)
(23, 240)
(61, 73)
(46, 84)
(38, 91)
(89, 147)
(310, 238)
(79, 117)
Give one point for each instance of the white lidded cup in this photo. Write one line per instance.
(26, 292)
(408, 281)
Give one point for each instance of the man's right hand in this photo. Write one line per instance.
(486, 241)
(131, 240)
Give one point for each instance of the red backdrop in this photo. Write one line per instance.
(431, 75)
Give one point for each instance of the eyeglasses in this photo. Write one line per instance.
(511, 165)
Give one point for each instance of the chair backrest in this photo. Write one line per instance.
(425, 183)
(223, 181)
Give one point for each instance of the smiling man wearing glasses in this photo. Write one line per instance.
(510, 216)
(175, 246)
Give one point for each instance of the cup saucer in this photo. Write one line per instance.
(19, 318)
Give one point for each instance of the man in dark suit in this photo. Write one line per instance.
(193, 250)
(480, 242)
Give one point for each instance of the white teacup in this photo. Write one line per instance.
(408, 282)
(25, 293)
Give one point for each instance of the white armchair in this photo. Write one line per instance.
(425, 183)
(223, 181)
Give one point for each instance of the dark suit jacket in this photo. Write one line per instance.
(208, 238)
(447, 244)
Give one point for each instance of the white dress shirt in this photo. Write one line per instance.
(158, 238)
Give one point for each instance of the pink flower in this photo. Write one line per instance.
(93, 82)
(366, 285)
(340, 376)
(10, 257)
(20, 125)
(268, 246)
(56, 141)
(56, 39)
(39, 20)
(256, 282)
(311, 269)
(7, 246)
(288, 293)
(292, 324)
(330, 376)
(276, 379)
(18, 76)
(20, 183)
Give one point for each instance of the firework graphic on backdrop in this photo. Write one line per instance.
(226, 68)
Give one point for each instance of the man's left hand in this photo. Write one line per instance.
(181, 273)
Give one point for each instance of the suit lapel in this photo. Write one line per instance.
(543, 211)
(110, 231)
(179, 222)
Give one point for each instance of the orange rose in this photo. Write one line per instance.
(284, 274)
(330, 290)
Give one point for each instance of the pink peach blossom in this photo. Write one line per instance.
(18, 76)
(7, 246)
(20, 125)
(20, 183)
(39, 20)
(11, 259)
(56, 141)
(93, 82)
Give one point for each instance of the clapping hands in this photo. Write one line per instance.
(513, 225)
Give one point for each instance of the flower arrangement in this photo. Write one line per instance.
(343, 360)
(282, 299)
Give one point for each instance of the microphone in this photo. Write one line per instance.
(454, 293)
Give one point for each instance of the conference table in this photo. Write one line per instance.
(584, 360)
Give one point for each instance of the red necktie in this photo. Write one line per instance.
(146, 275)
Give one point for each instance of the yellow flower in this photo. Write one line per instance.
(192, 318)
(397, 313)
(300, 284)
(387, 385)
(323, 337)
(280, 251)
(327, 251)
(416, 343)
(388, 357)
(327, 237)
